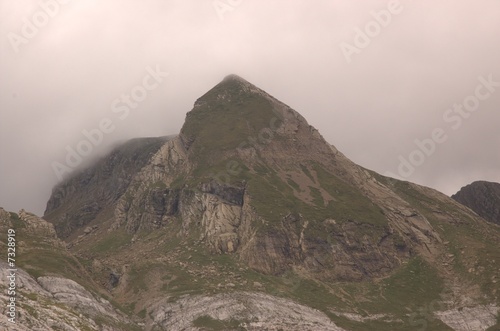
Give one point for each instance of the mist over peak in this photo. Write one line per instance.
(394, 91)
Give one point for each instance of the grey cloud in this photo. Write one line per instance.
(394, 91)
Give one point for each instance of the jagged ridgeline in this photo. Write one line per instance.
(253, 221)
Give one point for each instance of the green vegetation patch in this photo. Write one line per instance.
(16, 221)
(112, 242)
(350, 203)
(415, 285)
(212, 324)
(242, 118)
(49, 262)
(317, 197)
(273, 198)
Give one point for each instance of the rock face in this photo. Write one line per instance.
(74, 295)
(470, 319)
(483, 198)
(249, 193)
(64, 306)
(84, 195)
(252, 311)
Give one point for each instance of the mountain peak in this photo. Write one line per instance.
(235, 110)
(482, 197)
(228, 114)
(234, 77)
(235, 80)
(231, 88)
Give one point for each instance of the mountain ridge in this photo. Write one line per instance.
(249, 198)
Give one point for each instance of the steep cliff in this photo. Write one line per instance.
(79, 199)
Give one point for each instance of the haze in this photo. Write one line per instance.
(372, 103)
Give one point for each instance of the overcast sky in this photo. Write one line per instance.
(65, 66)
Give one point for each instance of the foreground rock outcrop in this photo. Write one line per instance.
(251, 311)
(478, 318)
(53, 303)
(47, 300)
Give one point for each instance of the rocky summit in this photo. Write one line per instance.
(249, 220)
(483, 198)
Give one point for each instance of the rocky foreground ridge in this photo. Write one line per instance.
(249, 220)
(52, 301)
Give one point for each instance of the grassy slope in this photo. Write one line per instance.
(241, 119)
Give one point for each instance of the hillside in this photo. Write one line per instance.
(249, 220)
